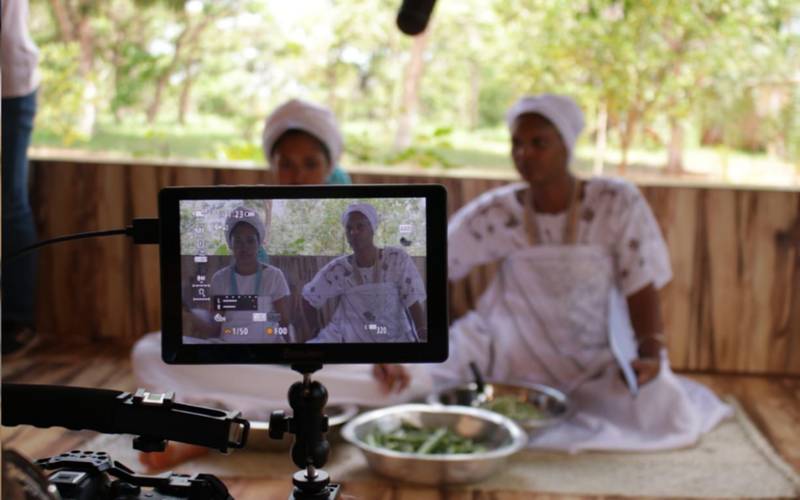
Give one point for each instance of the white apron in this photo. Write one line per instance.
(551, 316)
(371, 312)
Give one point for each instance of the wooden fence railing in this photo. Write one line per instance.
(733, 305)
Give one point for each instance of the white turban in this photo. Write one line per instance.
(562, 112)
(363, 208)
(310, 118)
(248, 216)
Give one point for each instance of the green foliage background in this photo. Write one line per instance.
(303, 227)
(195, 78)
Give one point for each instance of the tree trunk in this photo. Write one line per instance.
(66, 31)
(186, 42)
(163, 78)
(120, 33)
(675, 149)
(86, 66)
(601, 139)
(155, 104)
(185, 98)
(331, 78)
(411, 84)
(267, 222)
(473, 113)
(627, 138)
(116, 61)
(73, 27)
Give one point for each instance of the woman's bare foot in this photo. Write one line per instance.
(173, 454)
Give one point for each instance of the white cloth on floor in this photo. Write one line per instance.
(257, 390)
(550, 316)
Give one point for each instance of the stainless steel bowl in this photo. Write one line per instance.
(552, 404)
(259, 439)
(500, 435)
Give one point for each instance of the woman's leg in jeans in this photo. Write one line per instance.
(19, 231)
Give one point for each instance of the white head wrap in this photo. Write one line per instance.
(363, 208)
(248, 216)
(310, 118)
(561, 110)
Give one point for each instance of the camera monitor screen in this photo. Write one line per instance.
(330, 274)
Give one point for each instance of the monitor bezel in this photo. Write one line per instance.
(174, 351)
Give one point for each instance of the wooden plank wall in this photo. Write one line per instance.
(733, 305)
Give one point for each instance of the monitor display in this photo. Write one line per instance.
(305, 270)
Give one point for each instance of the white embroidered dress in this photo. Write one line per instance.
(555, 314)
(373, 302)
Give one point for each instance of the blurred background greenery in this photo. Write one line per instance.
(702, 89)
(291, 231)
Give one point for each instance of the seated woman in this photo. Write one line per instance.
(580, 266)
(303, 143)
(381, 292)
(244, 233)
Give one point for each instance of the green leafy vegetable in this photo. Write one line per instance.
(513, 408)
(409, 438)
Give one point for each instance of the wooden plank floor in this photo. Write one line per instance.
(773, 403)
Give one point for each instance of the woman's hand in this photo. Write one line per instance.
(645, 312)
(646, 369)
(392, 378)
(648, 364)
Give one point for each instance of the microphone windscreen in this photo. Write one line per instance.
(413, 16)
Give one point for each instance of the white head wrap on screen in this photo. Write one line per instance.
(248, 216)
(562, 111)
(363, 208)
(310, 118)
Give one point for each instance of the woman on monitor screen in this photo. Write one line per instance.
(250, 299)
(380, 291)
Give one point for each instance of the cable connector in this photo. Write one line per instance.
(144, 231)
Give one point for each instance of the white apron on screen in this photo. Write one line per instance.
(373, 302)
(372, 312)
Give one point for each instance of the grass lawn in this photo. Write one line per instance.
(482, 150)
(142, 141)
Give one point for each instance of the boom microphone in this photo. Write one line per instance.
(413, 16)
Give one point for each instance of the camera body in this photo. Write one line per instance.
(88, 475)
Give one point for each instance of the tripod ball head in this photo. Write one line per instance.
(309, 424)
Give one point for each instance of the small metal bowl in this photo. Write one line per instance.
(259, 439)
(500, 435)
(552, 403)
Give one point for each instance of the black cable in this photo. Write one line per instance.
(143, 231)
(77, 236)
